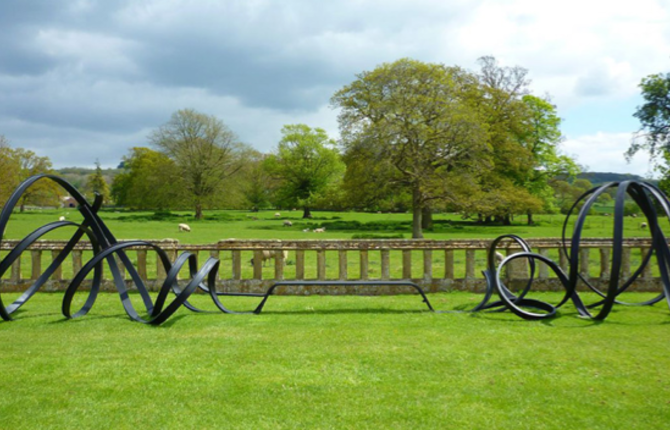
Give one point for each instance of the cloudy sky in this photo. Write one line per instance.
(82, 80)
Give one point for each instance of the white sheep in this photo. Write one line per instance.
(288, 223)
(184, 227)
(277, 215)
(633, 215)
(267, 255)
(499, 257)
(319, 230)
(61, 218)
(643, 225)
(305, 230)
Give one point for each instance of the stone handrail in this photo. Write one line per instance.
(444, 265)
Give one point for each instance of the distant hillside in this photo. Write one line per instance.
(598, 178)
(77, 175)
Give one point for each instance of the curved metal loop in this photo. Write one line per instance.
(648, 197)
(107, 249)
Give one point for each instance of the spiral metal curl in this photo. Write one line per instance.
(105, 248)
(647, 197)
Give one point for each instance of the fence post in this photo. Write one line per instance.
(299, 264)
(407, 264)
(605, 264)
(364, 264)
(449, 264)
(321, 264)
(142, 264)
(58, 273)
(342, 256)
(36, 260)
(386, 264)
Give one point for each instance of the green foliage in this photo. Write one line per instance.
(524, 136)
(257, 188)
(206, 154)
(96, 184)
(17, 165)
(149, 180)
(654, 116)
(306, 165)
(409, 124)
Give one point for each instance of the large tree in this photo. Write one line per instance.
(147, 181)
(96, 184)
(421, 119)
(542, 137)
(17, 165)
(205, 151)
(305, 164)
(654, 116)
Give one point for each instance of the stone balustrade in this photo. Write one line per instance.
(435, 265)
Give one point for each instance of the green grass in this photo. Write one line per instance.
(339, 225)
(334, 362)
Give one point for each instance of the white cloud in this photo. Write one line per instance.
(604, 152)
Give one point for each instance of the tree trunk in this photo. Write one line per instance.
(306, 213)
(417, 211)
(530, 218)
(427, 218)
(22, 207)
(198, 211)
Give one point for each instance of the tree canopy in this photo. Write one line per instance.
(306, 164)
(146, 181)
(205, 152)
(654, 116)
(421, 119)
(17, 165)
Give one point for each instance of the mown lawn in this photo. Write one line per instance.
(220, 225)
(335, 362)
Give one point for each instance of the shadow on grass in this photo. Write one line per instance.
(345, 311)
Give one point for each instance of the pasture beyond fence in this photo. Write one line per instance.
(434, 265)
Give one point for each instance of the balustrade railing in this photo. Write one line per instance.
(435, 265)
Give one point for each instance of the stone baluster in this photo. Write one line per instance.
(364, 264)
(386, 264)
(342, 257)
(407, 264)
(321, 264)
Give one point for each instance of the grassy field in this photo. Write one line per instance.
(264, 225)
(339, 225)
(335, 362)
(331, 362)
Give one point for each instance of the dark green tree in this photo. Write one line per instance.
(654, 116)
(306, 164)
(420, 118)
(96, 184)
(206, 153)
(148, 181)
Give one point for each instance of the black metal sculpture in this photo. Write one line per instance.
(649, 199)
(106, 248)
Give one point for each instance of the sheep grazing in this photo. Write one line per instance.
(61, 218)
(305, 230)
(184, 227)
(268, 255)
(320, 230)
(643, 225)
(633, 215)
(499, 257)
(288, 223)
(277, 215)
